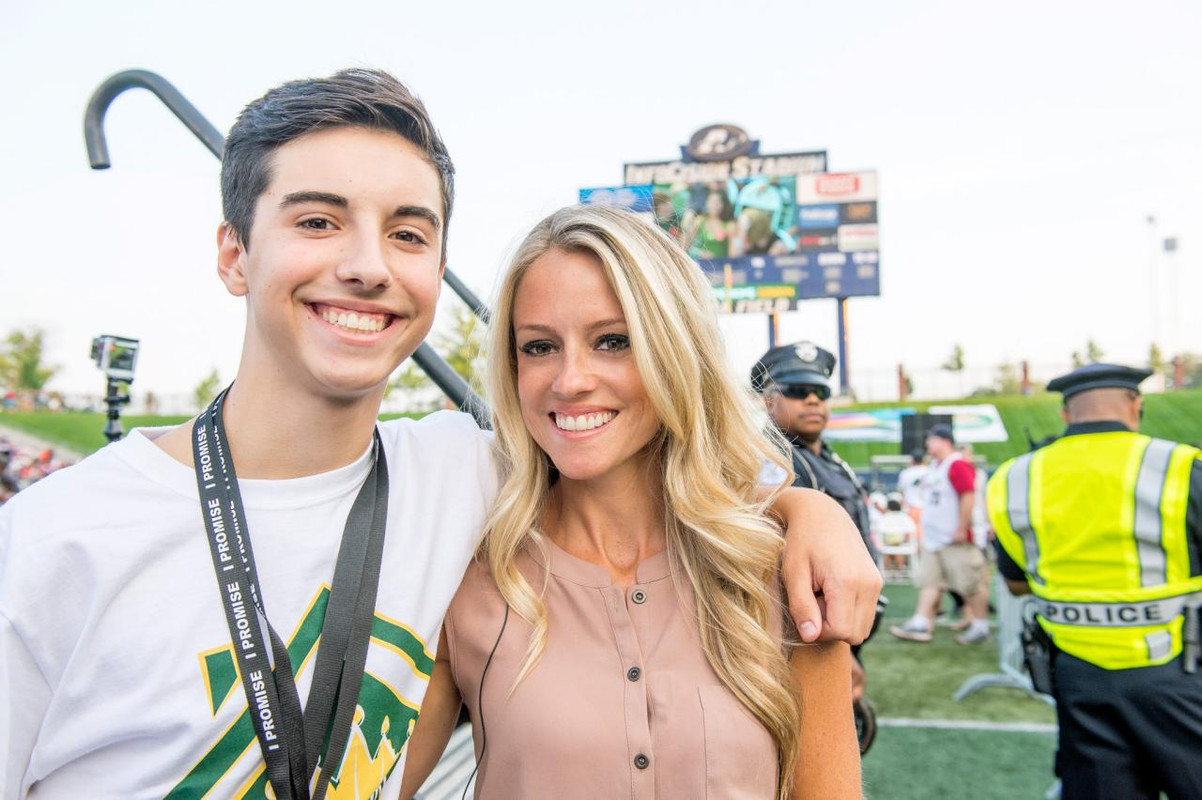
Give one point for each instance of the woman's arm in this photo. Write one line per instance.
(825, 557)
(829, 763)
(435, 723)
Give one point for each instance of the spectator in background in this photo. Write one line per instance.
(877, 505)
(895, 529)
(8, 480)
(909, 483)
(36, 468)
(949, 558)
(909, 480)
(980, 537)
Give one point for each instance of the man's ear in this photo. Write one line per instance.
(231, 260)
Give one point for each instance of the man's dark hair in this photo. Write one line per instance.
(364, 98)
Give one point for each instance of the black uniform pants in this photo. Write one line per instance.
(1130, 733)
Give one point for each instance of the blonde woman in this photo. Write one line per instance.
(622, 634)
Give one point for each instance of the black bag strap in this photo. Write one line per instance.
(346, 632)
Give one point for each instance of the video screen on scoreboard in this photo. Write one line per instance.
(737, 217)
(766, 242)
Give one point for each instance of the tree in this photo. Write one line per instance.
(460, 346)
(206, 390)
(1156, 361)
(955, 362)
(1093, 354)
(21, 365)
(1008, 380)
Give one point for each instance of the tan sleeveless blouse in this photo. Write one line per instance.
(623, 703)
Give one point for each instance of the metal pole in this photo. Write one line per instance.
(114, 400)
(773, 330)
(1170, 257)
(467, 295)
(844, 380)
(98, 106)
(98, 155)
(1154, 284)
(451, 384)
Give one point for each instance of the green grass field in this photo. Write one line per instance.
(912, 680)
(78, 431)
(939, 764)
(917, 682)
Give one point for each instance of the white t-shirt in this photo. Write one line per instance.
(909, 483)
(116, 673)
(896, 528)
(940, 505)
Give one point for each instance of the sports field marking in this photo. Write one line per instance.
(967, 724)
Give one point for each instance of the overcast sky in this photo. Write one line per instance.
(1021, 147)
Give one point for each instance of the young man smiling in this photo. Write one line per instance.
(120, 675)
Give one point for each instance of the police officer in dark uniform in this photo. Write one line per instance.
(1104, 526)
(795, 382)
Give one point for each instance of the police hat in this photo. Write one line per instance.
(803, 362)
(1098, 376)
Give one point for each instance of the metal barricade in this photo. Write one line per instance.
(454, 771)
(1011, 673)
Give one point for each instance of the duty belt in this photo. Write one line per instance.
(1133, 615)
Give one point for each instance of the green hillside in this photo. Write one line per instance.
(1174, 415)
(1039, 414)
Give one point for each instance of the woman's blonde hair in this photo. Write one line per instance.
(710, 449)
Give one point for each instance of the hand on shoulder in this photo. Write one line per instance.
(831, 580)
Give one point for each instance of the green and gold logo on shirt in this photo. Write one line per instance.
(383, 719)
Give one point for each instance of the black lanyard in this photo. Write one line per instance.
(291, 742)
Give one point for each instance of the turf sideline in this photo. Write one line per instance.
(966, 724)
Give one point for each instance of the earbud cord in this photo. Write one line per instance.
(480, 703)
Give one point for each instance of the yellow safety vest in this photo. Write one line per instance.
(1097, 521)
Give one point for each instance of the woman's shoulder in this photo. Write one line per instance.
(478, 595)
(477, 588)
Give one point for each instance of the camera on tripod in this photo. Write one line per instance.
(116, 356)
